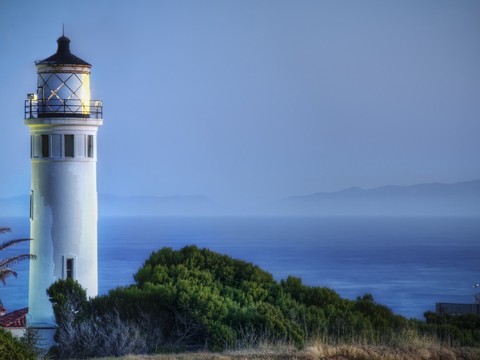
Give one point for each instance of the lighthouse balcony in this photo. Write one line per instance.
(65, 108)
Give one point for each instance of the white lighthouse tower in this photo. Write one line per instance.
(63, 123)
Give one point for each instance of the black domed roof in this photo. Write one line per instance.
(63, 55)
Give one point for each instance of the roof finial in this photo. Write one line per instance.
(63, 28)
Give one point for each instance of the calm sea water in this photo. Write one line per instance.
(407, 264)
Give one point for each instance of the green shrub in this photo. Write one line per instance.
(194, 298)
(13, 349)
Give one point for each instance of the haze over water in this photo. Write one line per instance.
(408, 264)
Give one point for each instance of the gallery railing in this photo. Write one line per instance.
(35, 108)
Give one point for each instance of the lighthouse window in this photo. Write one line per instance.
(90, 146)
(31, 205)
(45, 146)
(69, 268)
(69, 146)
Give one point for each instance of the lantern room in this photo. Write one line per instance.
(63, 87)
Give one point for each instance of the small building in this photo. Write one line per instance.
(457, 309)
(15, 322)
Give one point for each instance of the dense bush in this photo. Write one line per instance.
(82, 332)
(13, 349)
(454, 330)
(194, 298)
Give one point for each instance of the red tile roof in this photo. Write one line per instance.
(16, 318)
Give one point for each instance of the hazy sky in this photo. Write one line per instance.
(257, 100)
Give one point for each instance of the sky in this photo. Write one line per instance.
(256, 100)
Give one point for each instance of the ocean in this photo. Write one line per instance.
(408, 264)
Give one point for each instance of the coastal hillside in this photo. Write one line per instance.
(459, 199)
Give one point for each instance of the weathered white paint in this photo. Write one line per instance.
(64, 218)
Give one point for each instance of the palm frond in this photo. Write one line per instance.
(15, 259)
(8, 243)
(5, 273)
(5, 270)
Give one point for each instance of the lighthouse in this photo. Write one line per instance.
(63, 122)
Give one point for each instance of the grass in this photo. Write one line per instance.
(324, 352)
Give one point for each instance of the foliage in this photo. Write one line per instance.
(31, 339)
(5, 264)
(82, 334)
(194, 298)
(223, 295)
(13, 349)
(69, 300)
(454, 330)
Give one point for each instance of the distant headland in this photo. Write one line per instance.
(432, 199)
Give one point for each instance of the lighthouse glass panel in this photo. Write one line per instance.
(63, 93)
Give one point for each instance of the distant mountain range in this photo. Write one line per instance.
(459, 199)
